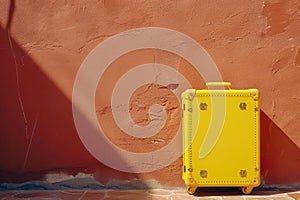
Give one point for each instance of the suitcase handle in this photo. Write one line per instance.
(218, 84)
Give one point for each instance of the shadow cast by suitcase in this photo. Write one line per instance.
(280, 156)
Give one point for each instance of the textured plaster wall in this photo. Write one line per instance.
(255, 44)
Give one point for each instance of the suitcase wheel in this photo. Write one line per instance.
(247, 190)
(191, 190)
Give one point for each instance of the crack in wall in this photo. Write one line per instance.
(93, 39)
(18, 84)
(273, 103)
(8, 27)
(30, 142)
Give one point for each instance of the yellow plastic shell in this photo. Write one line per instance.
(221, 138)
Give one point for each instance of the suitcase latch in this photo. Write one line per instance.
(243, 173)
(203, 173)
(203, 106)
(243, 106)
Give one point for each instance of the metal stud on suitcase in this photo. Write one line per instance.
(221, 134)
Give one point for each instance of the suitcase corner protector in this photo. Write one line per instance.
(189, 94)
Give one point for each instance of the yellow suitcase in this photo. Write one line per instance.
(221, 137)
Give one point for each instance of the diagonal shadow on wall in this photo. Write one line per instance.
(37, 132)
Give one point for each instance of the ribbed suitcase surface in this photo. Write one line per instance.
(221, 134)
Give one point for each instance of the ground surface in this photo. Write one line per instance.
(155, 194)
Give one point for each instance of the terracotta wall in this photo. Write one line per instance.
(255, 44)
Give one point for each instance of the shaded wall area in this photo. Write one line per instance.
(42, 45)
